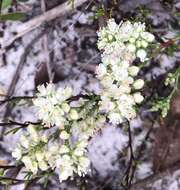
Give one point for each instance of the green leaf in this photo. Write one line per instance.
(6, 3)
(13, 131)
(12, 16)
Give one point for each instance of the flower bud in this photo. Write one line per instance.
(141, 53)
(110, 37)
(138, 98)
(131, 47)
(132, 40)
(68, 92)
(73, 114)
(144, 44)
(65, 107)
(136, 34)
(138, 84)
(64, 135)
(138, 44)
(39, 155)
(42, 165)
(133, 70)
(150, 37)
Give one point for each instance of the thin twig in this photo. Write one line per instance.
(134, 167)
(15, 98)
(132, 158)
(11, 122)
(12, 179)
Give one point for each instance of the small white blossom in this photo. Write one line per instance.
(17, 153)
(138, 84)
(64, 135)
(144, 44)
(147, 36)
(138, 97)
(73, 114)
(141, 53)
(131, 47)
(101, 70)
(133, 70)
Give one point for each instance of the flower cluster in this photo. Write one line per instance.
(52, 105)
(133, 37)
(68, 159)
(72, 121)
(31, 150)
(38, 151)
(120, 87)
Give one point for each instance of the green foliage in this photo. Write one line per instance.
(163, 104)
(6, 3)
(12, 16)
(99, 13)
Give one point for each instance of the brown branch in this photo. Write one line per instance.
(4, 167)
(132, 158)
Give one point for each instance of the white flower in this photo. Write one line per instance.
(73, 114)
(52, 105)
(144, 44)
(115, 118)
(101, 70)
(17, 153)
(138, 43)
(133, 70)
(39, 155)
(138, 84)
(147, 36)
(42, 165)
(65, 172)
(24, 141)
(66, 92)
(65, 107)
(30, 164)
(131, 47)
(138, 98)
(63, 149)
(141, 53)
(112, 26)
(84, 163)
(64, 135)
(132, 40)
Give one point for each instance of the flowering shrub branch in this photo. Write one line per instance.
(73, 121)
